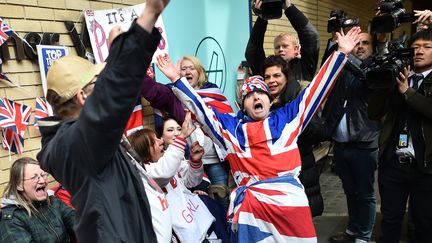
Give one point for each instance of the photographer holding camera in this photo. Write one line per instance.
(285, 45)
(356, 144)
(405, 143)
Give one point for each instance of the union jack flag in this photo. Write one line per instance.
(135, 120)
(41, 110)
(12, 141)
(5, 31)
(213, 97)
(14, 119)
(150, 72)
(270, 205)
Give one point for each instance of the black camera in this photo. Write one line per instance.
(382, 71)
(340, 21)
(270, 9)
(393, 15)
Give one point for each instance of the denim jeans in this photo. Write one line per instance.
(218, 175)
(356, 168)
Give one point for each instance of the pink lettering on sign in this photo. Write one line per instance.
(188, 213)
(99, 39)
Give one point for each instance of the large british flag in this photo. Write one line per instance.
(5, 31)
(270, 205)
(41, 110)
(14, 118)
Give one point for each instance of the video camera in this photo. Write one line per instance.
(270, 9)
(394, 15)
(340, 21)
(382, 71)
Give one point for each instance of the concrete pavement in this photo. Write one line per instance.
(335, 216)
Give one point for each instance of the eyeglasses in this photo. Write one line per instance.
(36, 177)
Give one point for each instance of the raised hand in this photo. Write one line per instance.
(157, 6)
(402, 80)
(424, 18)
(153, 9)
(196, 152)
(258, 4)
(286, 4)
(114, 32)
(166, 67)
(187, 129)
(348, 41)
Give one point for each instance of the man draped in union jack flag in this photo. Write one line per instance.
(270, 204)
(5, 31)
(14, 118)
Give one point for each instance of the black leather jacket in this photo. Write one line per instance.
(302, 69)
(386, 105)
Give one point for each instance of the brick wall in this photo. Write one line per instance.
(41, 16)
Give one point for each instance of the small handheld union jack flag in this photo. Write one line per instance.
(12, 141)
(5, 32)
(14, 119)
(41, 110)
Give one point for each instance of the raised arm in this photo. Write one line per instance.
(169, 164)
(211, 120)
(308, 101)
(192, 170)
(99, 124)
(254, 53)
(161, 97)
(308, 37)
(413, 98)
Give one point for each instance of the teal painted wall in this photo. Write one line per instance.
(216, 31)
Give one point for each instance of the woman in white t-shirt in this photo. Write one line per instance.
(190, 219)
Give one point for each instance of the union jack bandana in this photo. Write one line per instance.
(254, 83)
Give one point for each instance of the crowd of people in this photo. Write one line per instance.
(149, 186)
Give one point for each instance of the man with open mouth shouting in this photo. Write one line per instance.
(269, 203)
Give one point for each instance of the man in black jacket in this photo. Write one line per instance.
(405, 143)
(286, 45)
(81, 145)
(356, 146)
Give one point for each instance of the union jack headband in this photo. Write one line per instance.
(254, 83)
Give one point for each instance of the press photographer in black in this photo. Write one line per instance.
(356, 139)
(285, 45)
(405, 143)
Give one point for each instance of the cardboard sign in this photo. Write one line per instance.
(100, 22)
(46, 55)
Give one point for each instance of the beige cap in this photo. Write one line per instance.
(69, 74)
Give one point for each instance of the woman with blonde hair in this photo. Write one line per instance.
(161, 97)
(28, 213)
